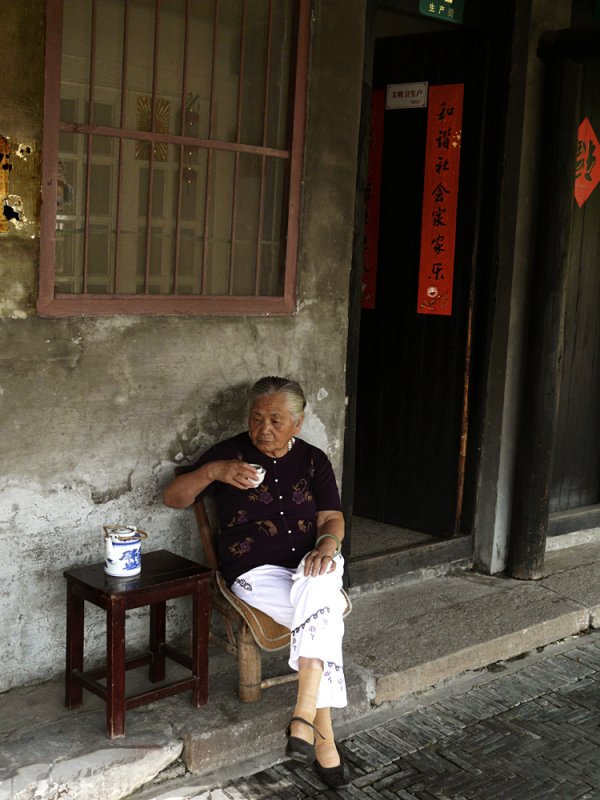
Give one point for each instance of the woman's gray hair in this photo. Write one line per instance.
(274, 385)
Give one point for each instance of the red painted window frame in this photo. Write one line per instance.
(53, 304)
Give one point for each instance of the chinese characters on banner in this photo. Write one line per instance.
(587, 166)
(372, 199)
(440, 195)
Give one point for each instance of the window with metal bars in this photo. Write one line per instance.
(173, 139)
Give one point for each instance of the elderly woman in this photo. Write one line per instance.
(279, 550)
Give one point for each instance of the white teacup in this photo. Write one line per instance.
(261, 475)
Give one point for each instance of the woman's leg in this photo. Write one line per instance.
(327, 754)
(310, 673)
(318, 629)
(316, 647)
(313, 610)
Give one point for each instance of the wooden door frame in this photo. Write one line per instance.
(562, 51)
(482, 22)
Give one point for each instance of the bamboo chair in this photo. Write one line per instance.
(248, 631)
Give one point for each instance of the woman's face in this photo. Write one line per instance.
(271, 424)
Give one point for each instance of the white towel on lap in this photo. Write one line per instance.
(312, 608)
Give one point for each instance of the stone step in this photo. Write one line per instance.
(401, 640)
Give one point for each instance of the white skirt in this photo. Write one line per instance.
(312, 608)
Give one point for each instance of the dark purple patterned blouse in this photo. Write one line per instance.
(276, 522)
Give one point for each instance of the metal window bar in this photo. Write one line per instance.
(184, 110)
(88, 166)
(263, 161)
(152, 148)
(236, 166)
(124, 62)
(209, 155)
(89, 130)
(298, 116)
(154, 138)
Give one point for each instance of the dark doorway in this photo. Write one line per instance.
(413, 369)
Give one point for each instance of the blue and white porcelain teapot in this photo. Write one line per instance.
(123, 550)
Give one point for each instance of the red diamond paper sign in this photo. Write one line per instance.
(587, 166)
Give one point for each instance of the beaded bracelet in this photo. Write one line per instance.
(338, 548)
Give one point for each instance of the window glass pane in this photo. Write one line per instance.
(199, 66)
(171, 51)
(279, 77)
(104, 116)
(70, 215)
(77, 39)
(102, 203)
(129, 217)
(191, 247)
(158, 267)
(68, 113)
(190, 198)
(219, 222)
(271, 274)
(141, 257)
(272, 261)
(140, 58)
(101, 190)
(100, 259)
(256, 52)
(69, 244)
(246, 228)
(159, 210)
(193, 185)
(227, 70)
(108, 66)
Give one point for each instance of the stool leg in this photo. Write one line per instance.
(200, 619)
(249, 666)
(115, 668)
(75, 621)
(158, 629)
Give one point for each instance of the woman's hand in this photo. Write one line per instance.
(235, 473)
(317, 562)
(183, 489)
(320, 560)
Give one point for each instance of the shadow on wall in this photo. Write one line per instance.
(225, 415)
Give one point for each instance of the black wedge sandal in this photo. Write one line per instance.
(334, 777)
(300, 749)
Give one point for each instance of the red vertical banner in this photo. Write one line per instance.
(587, 165)
(373, 199)
(440, 199)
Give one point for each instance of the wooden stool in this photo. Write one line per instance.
(164, 576)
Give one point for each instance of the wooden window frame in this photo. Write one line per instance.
(55, 304)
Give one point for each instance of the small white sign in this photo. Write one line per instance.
(406, 95)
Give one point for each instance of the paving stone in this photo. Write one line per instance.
(531, 734)
(391, 740)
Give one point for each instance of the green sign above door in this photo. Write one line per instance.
(450, 10)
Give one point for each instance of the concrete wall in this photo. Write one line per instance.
(96, 411)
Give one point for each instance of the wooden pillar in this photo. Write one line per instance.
(544, 349)
(356, 279)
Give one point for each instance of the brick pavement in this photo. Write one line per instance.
(526, 732)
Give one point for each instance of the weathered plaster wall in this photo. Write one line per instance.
(96, 411)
